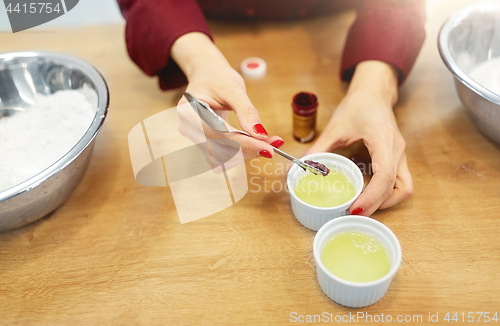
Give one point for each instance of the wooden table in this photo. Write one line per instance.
(116, 254)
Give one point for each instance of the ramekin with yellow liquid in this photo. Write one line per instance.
(316, 199)
(356, 258)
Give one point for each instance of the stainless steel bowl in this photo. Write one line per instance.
(23, 73)
(468, 38)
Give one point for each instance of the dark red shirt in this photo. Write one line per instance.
(387, 30)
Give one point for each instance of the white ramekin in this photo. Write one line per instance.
(354, 294)
(313, 217)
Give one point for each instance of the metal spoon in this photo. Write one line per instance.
(215, 122)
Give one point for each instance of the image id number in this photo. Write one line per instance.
(34, 8)
(471, 317)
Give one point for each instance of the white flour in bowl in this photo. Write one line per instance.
(32, 140)
(487, 74)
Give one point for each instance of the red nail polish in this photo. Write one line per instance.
(357, 211)
(259, 128)
(265, 154)
(277, 143)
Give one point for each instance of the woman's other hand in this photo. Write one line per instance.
(366, 114)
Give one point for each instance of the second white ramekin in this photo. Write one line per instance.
(354, 294)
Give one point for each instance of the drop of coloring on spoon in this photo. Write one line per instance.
(319, 166)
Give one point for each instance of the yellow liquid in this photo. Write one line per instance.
(333, 190)
(356, 256)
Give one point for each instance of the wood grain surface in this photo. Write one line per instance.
(116, 254)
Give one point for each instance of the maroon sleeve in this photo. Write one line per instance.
(387, 30)
(152, 27)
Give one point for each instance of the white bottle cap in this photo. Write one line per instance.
(253, 68)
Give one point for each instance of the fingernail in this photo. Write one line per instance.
(277, 143)
(259, 128)
(265, 154)
(357, 211)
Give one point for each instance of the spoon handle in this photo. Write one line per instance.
(287, 156)
(303, 165)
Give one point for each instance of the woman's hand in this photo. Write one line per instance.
(366, 114)
(213, 81)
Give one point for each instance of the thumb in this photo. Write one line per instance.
(247, 114)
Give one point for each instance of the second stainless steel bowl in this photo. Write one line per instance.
(469, 37)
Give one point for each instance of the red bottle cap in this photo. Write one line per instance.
(253, 68)
(305, 104)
